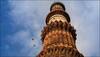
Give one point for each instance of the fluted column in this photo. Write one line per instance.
(58, 36)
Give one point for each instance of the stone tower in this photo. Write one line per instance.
(59, 36)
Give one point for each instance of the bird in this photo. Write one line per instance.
(33, 44)
(32, 39)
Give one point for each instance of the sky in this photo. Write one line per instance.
(22, 20)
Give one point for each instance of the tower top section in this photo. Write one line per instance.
(57, 12)
(57, 6)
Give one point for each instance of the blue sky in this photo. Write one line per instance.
(20, 21)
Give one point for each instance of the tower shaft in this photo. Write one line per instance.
(59, 36)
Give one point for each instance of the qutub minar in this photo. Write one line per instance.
(58, 36)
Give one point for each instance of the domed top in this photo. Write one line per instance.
(57, 6)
